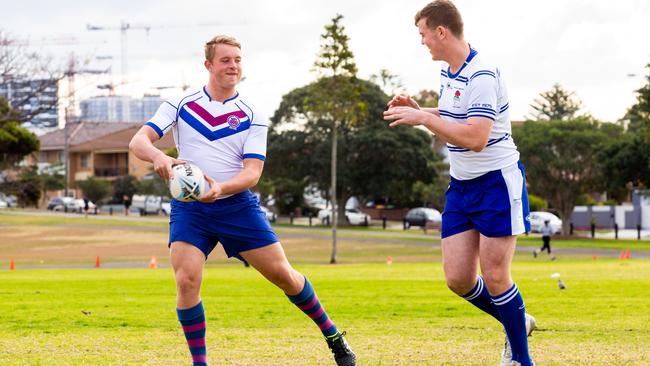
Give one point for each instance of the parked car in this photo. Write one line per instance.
(352, 215)
(80, 203)
(537, 219)
(166, 208)
(422, 216)
(270, 215)
(67, 204)
(7, 200)
(147, 204)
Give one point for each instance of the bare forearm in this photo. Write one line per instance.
(432, 111)
(244, 180)
(458, 134)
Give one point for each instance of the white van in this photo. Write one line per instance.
(146, 204)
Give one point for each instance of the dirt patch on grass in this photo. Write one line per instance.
(56, 244)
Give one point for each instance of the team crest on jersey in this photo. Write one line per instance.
(457, 98)
(233, 121)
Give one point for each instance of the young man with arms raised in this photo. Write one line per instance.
(487, 202)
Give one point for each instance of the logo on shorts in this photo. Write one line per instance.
(233, 121)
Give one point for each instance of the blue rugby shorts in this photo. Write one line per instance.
(237, 222)
(495, 204)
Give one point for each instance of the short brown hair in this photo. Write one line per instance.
(442, 13)
(220, 39)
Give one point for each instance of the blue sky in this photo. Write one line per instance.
(589, 47)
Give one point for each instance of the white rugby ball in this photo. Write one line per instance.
(187, 183)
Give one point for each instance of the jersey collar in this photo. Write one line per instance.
(225, 101)
(472, 53)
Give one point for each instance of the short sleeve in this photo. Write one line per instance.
(255, 144)
(164, 118)
(483, 88)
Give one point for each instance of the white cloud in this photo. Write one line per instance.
(587, 46)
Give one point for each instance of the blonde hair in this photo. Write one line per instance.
(220, 39)
(442, 13)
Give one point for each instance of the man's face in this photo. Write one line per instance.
(430, 38)
(225, 67)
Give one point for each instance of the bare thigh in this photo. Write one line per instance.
(272, 263)
(496, 260)
(460, 254)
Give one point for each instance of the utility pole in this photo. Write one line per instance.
(71, 113)
(333, 198)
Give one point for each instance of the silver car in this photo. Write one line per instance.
(537, 219)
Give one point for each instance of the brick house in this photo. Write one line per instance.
(98, 149)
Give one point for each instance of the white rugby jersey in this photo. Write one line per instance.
(215, 136)
(477, 90)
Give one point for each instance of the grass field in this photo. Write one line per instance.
(399, 314)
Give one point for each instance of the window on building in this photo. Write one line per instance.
(84, 160)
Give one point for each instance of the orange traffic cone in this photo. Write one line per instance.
(153, 263)
(12, 265)
(98, 263)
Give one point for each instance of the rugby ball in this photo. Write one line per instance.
(187, 183)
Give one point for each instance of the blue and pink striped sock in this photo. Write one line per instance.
(307, 301)
(193, 322)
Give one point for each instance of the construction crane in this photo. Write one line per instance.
(125, 26)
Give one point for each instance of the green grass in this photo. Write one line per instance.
(400, 314)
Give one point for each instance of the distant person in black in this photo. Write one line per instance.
(86, 206)
(127, 204)
(547, 232)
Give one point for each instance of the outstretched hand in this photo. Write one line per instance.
(406, 116)
(403, 101)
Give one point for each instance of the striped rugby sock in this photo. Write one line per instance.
(512, 311)
(307, 301)
(193, 322)
(480, 297)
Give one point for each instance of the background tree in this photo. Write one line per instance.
(153, 185)
(390, 83)
(556, 104)
(639, 114)
(624, 163)
(15, 141)
(560, 159)
(337, 101)
(18, 63)
(96, 190)
(427, 98)
(124, 185)
(537, 203)
(27, 187)
(379, 161)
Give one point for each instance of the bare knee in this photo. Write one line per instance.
(187, 283)
(287, 279)
(460, 284)
(497, 282)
